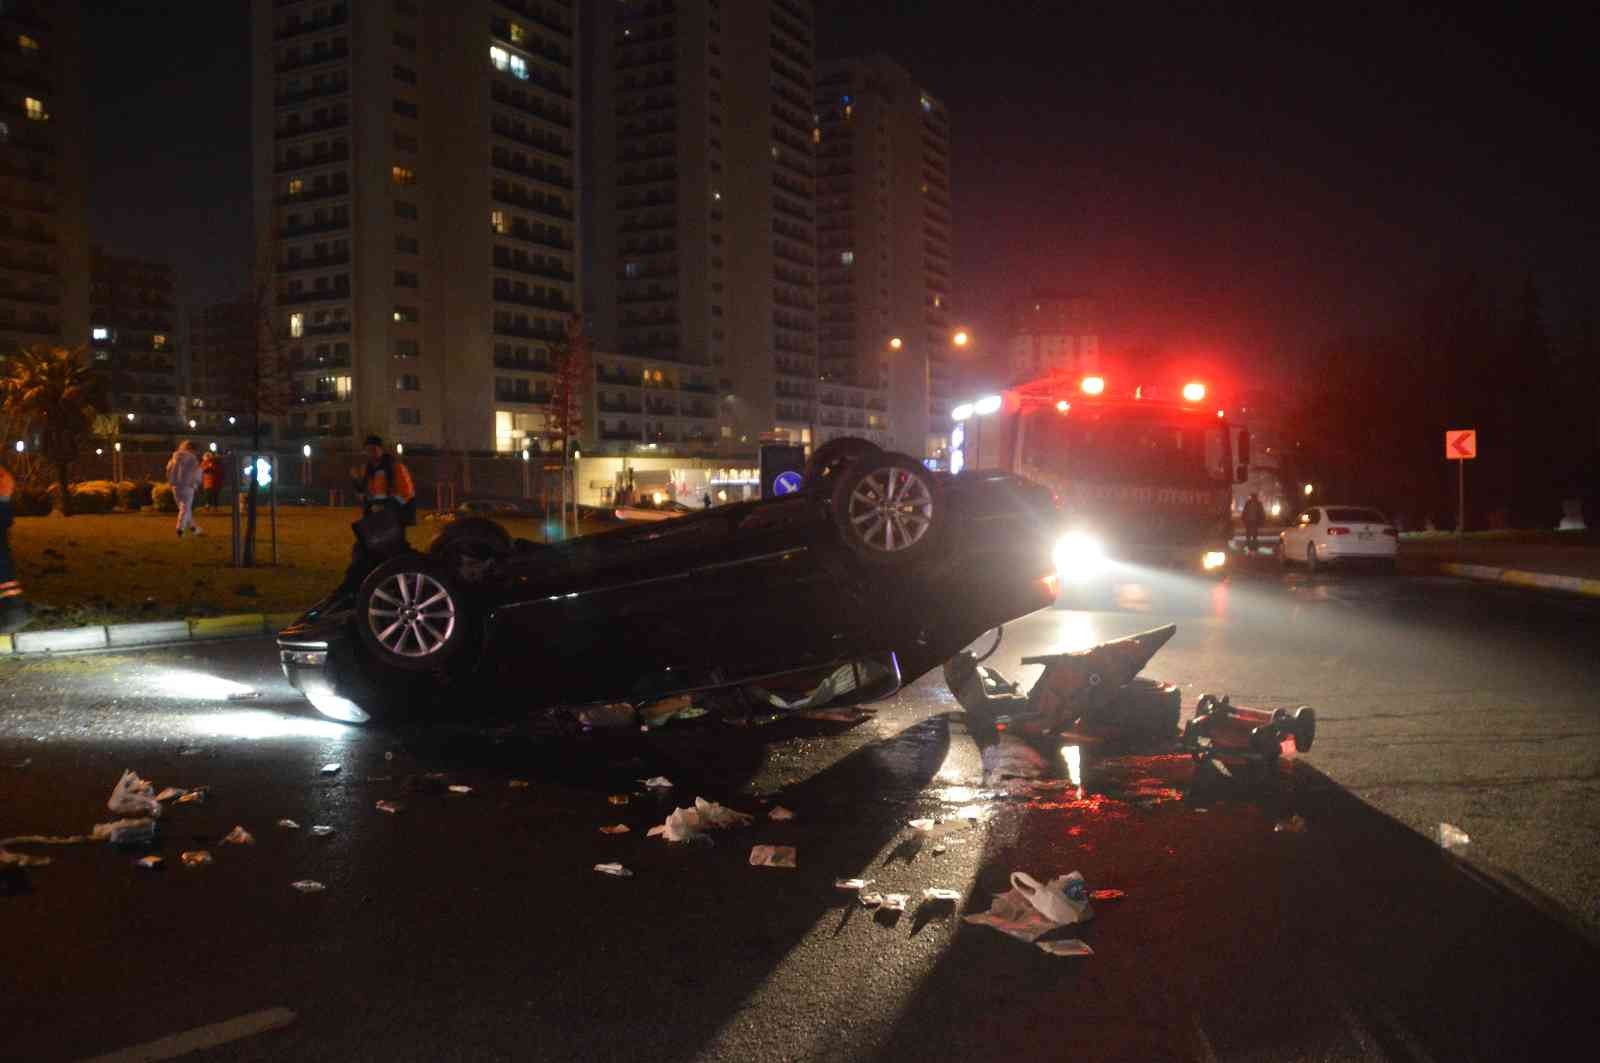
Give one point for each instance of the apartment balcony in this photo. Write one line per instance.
(529, 332)
(646, 130)
(548, 144)
(530, 105)
(307, 162)
(634, 298)
(313, 362)
(36, 298)
(559, 306)
(300, 129)
(317, 398)
(329, 328)
(539, 14)
(329, 89)
(324, 295)
(296, 265)
(532, 270)
(529, 203)
(616, 380)
(296, 27)
(312, 195)
(654, 177)
(612, 406)
(529, 236)
(527, 398)
(523, 365)
(698, 388)
(536, 173)
(316, 58)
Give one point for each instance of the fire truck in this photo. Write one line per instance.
(1144, 471)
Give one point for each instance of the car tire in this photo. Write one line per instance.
(466, 547)
(835, 455)
(886, 510)
(411, 615)
(1311, 559)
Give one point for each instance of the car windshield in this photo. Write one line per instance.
(1353, 515)
(1116, 445)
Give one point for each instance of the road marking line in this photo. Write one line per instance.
(201, 1037)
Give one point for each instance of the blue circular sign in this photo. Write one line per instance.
(787, 483)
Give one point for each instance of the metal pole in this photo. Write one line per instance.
(1461, 497)
(272, 510)
(233, 504)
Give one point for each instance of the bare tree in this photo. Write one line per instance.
(263, 386)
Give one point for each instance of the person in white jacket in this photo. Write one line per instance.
(183, 473)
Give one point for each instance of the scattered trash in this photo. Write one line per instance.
(657, 782)
(608, 717)
(461, 790)
(618, 799)
(197, 796)
(238, 836)
(125, 832)
(871, 898)
(616, 828)
(47, 839)
(244, 695)
(853, 884)
(308, 885)
(772, 856)
(133, 796)
(288, 824)
(974, 813)
(1295, 824)
(518, 784)
(780, 814)
(920, 824)
(1453, 838)
(1064, 899)
(150, 863)
(615, 870)
(939, 893)
(1013, 914)
(895, 902)
(1065, 947)
(390, 807)
(330, 769)
(169, 793)
(1106, 895)
(685, 824)
(431, 783)
(195, 858)
(1013, 758)
(940, 849)
(10, 859)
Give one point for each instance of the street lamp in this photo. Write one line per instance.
(232, 420)
(961, 338)
(130, 417)
(1308, 490)
(305, 472)
(21, 446)
(191, 422)
(895, 343)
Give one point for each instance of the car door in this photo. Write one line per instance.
(1295, 536)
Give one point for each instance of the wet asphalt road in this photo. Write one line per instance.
(472, 927)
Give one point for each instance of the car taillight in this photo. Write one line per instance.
(1338, 531)
(1391, 533)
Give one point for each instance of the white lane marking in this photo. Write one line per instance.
(201, 1037)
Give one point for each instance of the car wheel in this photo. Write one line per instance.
(467, 548)
(1311, 558)
(410, 614)
(833, 456)
(886, 511)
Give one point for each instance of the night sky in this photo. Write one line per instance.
(1237, 187)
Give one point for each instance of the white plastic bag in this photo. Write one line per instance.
(133, 796)
(1063, 900)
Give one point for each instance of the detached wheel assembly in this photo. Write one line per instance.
(885, 510)
(409, 614)
(468, 548)
(830, 459)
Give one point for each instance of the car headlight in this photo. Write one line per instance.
(1078, 556)
(1214, 559)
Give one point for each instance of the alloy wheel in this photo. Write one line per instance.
(411, 614)
(891, 509)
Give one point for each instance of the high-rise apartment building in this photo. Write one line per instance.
(224, 347)
(44, 247)
(133, 341)
(703, 226)
(883, 209)
(1053, 332)
(416, 169)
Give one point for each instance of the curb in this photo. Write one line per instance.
(1516, 577)
(146, 635)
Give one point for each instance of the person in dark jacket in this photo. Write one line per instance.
(1255, 514)
(14, 611)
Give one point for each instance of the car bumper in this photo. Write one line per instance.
(316, 660)
(1356, 553)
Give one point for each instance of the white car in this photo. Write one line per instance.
(1322, 535)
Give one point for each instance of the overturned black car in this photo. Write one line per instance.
(874, 559)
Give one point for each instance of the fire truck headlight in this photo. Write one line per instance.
(1078, 557)
(1214, 559)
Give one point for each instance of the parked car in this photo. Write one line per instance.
(875, 557)
(1324, 535)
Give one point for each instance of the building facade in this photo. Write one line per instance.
(1053, 332)
(222, 364)
(44, 247)
(415, 177)
(133, 342)
(703, 219)
(883, 209)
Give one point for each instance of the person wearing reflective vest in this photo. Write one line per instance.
(384, 484)
(14, 611)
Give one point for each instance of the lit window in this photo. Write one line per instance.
(34, 108)
(816, 135)
(774, 151)
(27, 43)
(158, 342)
(499, 57)
(101, 333)
(403, 175)
(519, 67)
(341, 386)
(847, 258)
(497, 220)
(297, 325)
(296, 186)
(517, 33)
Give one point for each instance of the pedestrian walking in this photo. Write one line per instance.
(15, 612)
(183, 473)
(385, 486)
(1255, 514)
(210, 479)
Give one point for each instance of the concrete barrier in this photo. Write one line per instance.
(61, 640)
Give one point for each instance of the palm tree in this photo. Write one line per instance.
(51, 392)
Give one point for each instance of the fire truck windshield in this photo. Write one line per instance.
(1133, 446)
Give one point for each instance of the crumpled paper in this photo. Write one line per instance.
(133, 796)
(686, 824)
(140, 831)
(773, 856)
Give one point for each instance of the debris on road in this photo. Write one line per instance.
(238, 836)
(46, 839)
(616, 828)
(940, 893)
(390, 807)
(608, 717)
(330, 769)
(308, 885)
(195, 858)
(618, 799)
(150, 863)
(1065, 947)
(871, 899)
(923, 825)
(1220, 728)
(125, 832)
(1030, 910)
(1106, 895)
(1295, 824)
(1013, 914)
(169, 793)
(895, 902)
(518, 784)
(855, 885)
(460, 791)
(685, 824)
(614, 870)
(197, 796)
(288, 824)
(321, 830)
(657, 782)
(1453, 838)
(780, 814)
(9, 859)
(773, 856)
(133, 796)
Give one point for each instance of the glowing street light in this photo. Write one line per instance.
(305, 450)
(191, 422)
(1308, 490)
(130, 417)
(21, 446)
(895, 343)
(961, 338)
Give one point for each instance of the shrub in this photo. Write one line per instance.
(93, 496)
(32, 502)
(131, 495)
(162, 498)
